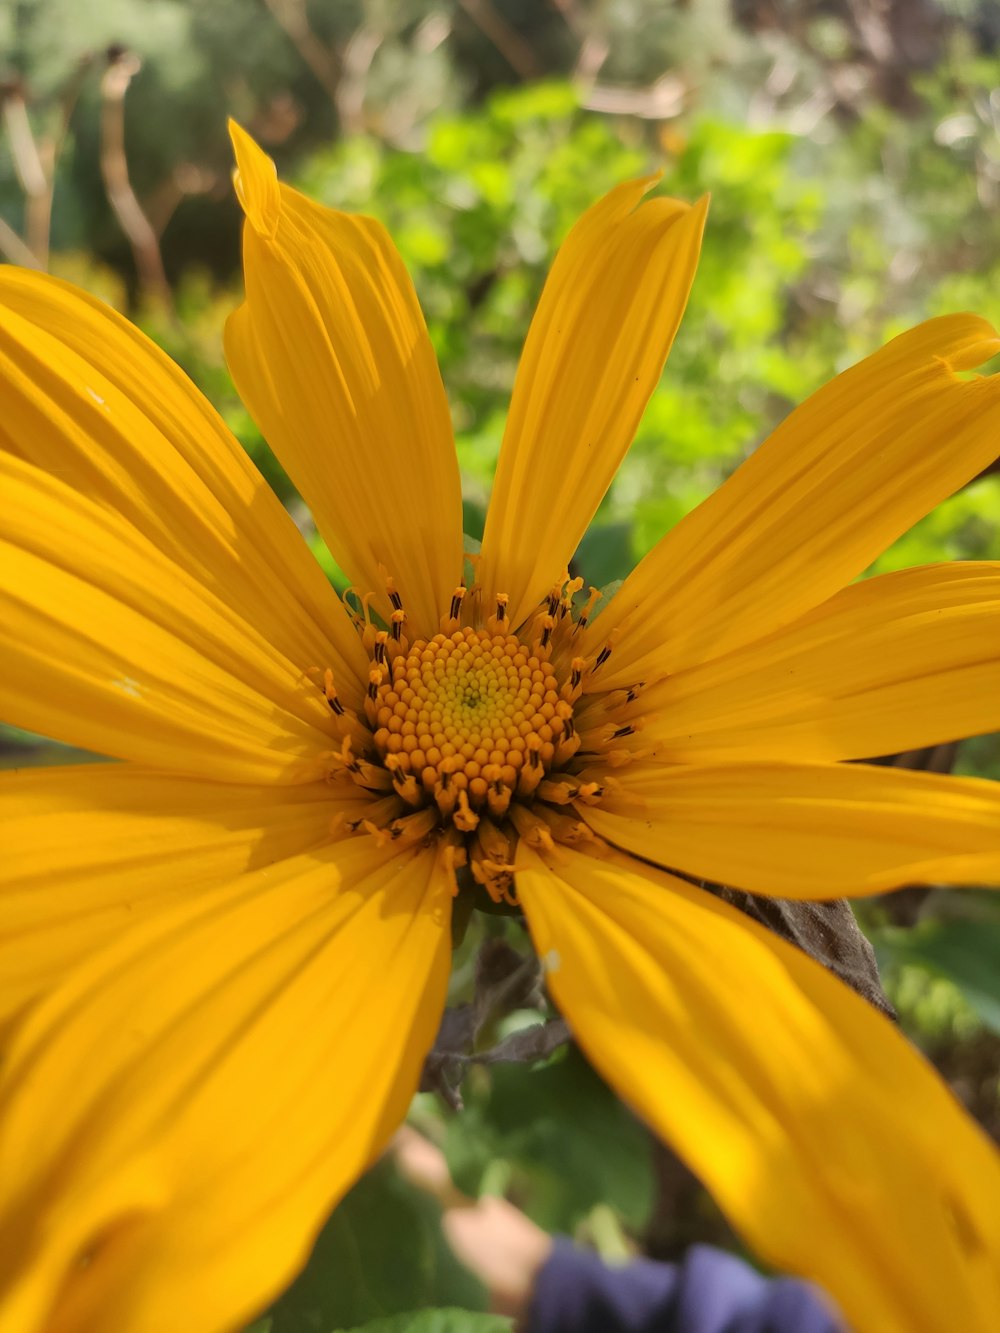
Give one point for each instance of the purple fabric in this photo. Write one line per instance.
(710, 1292)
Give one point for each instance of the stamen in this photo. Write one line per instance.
(564, 788)
(446, 794)
(498, 798)
(569, 592)
(330, 692)
(464, 817)
(497, 623)
(342, 760)
(411, 828)
(453, 855)
(610, 732)
(406, 785)
(390, 589)
(573, 688)
(531, 774)
(560, 793)
(381, 813)
(494, 844)
(497, 878)
(452, 620)
(565, 827)
(567, 746)
(372, 776)
(362, 620)
(590, 793)
(592, 599)
(375, 676)
(533, 830)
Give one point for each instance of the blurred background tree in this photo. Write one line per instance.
(852, 149)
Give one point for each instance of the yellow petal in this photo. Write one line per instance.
(91, 850)
(595, 351)
(839, 480)
(805, 830)
(331, 355)
(111, 646)
(831, 1146)
(181, 1115)
(889, 664)
(90, 399)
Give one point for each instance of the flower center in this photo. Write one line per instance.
(467, 715)
(469, 736)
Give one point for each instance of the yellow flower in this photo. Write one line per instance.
(224, 958)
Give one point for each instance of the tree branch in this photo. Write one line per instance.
(122, 67)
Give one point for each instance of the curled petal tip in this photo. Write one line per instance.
(256, 182)
(980, 344)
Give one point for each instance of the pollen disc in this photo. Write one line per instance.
(468, 710)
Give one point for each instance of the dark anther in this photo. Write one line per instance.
(602, 656)
(622, 731)
(397, 601)
(546, 636)
(336, 705)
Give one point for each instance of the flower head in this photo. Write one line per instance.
(227, 954)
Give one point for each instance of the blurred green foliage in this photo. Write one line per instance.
(381, 1254)
(964, 952)
(436, 1321)
(512, 1138)
(852, 195)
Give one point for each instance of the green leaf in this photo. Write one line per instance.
(605, 553)
(966, 952)
(565, 1141)
(381, 1253)
(436, 1321)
